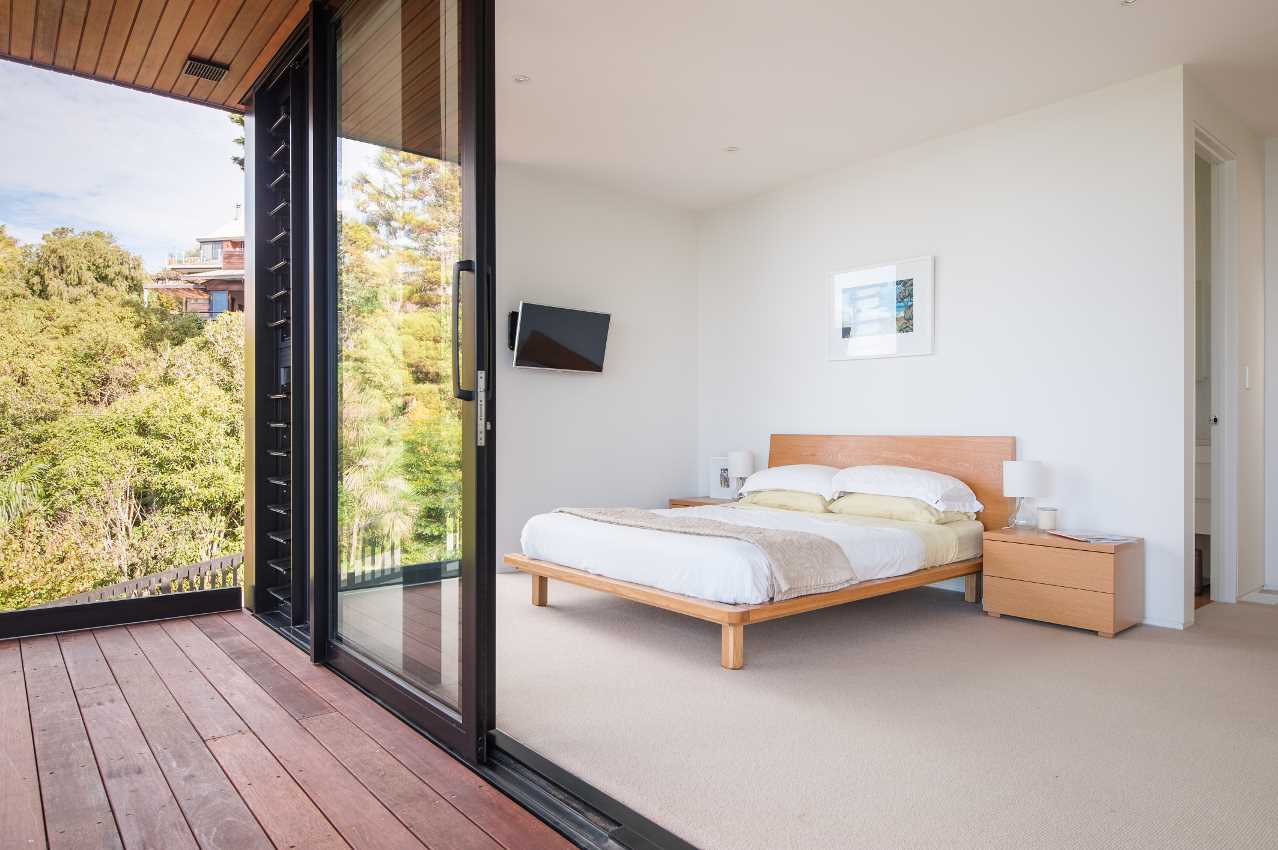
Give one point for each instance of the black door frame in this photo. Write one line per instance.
(465, 731)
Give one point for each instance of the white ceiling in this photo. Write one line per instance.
(645, 94)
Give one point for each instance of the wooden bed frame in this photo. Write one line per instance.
(977, 461)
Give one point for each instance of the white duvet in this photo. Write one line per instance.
(733, 571)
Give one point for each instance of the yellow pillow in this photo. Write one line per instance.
(786, 500)
(902, 508)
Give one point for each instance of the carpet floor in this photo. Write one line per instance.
(908, 721)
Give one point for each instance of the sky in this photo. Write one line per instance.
(153, 171)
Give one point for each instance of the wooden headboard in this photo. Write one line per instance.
(976, 461)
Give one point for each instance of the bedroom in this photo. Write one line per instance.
(1058, 210)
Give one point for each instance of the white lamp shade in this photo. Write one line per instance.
(1023, 479)
(740, 464)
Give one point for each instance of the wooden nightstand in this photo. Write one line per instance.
(1039, 576)
(698, 501)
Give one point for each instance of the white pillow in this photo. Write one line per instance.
(799, 478)
(943, 492)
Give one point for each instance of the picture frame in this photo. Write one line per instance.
(884, 310)
(719, 482)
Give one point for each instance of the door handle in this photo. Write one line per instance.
(459, 267)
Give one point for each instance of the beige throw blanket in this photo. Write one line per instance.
(802, 563)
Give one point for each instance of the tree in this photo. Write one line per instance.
(238, 121)
(71, 266)
(400, 427)
(121, 425)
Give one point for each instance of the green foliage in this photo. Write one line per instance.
(121, 426)
(400, 427)
(238, 121)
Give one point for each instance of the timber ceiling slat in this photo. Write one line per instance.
(251, 24)
(175, 12)
(374, 81)
(44, 42)
(140, 39)
(366, 63)
(218, 23)
(228, 45)
(117, 35)
(418, 98)
(74, 13)
(269, 49)
(95, 27)
(188, 34)
(22, 28)
(393, 96)
(145, 43)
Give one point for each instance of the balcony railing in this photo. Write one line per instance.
(225, 571)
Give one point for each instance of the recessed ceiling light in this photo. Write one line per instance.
(1127, 2)
(523, 78)
(731, 149)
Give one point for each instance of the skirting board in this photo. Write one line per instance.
(1265, 596)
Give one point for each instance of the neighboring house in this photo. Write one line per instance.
(210, 280)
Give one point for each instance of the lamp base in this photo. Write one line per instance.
(1025, 516)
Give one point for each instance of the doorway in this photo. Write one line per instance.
(1204, 418)
(1216, 375)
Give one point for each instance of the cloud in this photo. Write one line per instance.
(154, 171)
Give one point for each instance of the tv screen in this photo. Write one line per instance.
(558, 338)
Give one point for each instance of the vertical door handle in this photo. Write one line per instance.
(459, 267)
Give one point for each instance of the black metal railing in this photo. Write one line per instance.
(222, 572)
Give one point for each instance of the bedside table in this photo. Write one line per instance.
(1039, 576)
(698, 501)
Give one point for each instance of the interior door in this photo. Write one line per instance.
(408, 563)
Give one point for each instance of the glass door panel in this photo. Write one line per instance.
(400, 444)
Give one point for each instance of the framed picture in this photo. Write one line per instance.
(720, 482)
(881, 311)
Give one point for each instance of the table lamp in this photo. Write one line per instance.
(1023, 480)
(740, 467)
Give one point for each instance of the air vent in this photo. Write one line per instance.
(204, 69)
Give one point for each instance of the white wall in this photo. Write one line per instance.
(1059, 238)
(1246, 326)
(1271, 357)
(623, 437)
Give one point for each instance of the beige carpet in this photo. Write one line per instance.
(905, 721)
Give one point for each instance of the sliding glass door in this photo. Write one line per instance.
(409, 338)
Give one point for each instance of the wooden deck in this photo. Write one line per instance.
(214, 732)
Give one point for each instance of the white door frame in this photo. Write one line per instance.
(1224, 366)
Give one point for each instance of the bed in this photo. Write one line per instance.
(951, 553)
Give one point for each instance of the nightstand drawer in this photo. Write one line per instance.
(1068, 606)
(1049, 565)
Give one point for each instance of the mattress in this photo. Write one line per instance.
(733, 571)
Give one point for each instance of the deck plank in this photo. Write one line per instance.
(353, 810)
(282, 808)
(77, 812)
(20, 812)
(287, 814)
(425, 812)
(285, 688)
(146, 812)
(203, 705)
(499, 816)
(216, 814)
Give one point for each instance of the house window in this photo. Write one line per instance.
(218, 302)
(210, 252)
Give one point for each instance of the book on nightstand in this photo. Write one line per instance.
(1091, 536)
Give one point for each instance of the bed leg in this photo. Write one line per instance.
(539, 590)
(972, 588)
(733, 646)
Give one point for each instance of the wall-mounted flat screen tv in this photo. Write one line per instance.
(559, 338)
